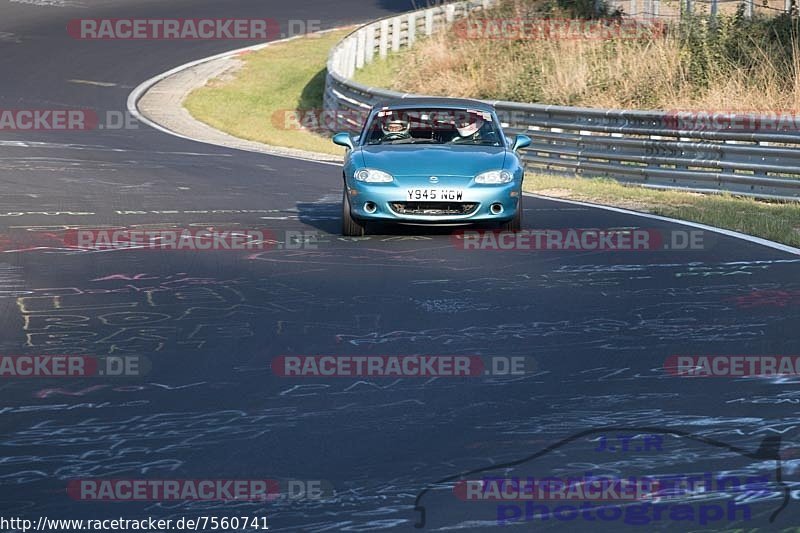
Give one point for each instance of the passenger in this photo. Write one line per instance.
(395, 129)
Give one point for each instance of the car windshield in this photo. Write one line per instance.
(433, 126)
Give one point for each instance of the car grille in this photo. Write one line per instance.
(434, 208)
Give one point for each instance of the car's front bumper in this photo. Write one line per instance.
(386, 201)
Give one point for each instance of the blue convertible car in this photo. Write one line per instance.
(432, 161)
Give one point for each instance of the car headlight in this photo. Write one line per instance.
(494, 177)
(370, 175)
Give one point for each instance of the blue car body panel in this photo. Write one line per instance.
(434, 160)
(445, 167)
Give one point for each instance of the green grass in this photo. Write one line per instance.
(775, 221)
(377, 73)
(278, 79)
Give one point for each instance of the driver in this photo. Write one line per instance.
(468, 125)
(395, 129)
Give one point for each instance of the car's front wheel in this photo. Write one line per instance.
(515, 224)
(351, 227)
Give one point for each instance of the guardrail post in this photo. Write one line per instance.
(647, 8)
(369, 49)
(384, 44)
(361, 44)
(412, 28)
(340, 61)
(337, 62)
(351, 57)
(429, 22)
(396, 34)
(449, 13)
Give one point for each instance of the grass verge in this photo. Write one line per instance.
(257, 101)
(778, 222)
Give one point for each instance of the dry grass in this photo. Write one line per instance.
(645, 74)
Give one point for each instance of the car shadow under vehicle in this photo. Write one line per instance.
(326, 216)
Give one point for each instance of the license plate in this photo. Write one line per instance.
(433, 195)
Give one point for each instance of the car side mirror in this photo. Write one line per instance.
(344, 139)
(521, 141)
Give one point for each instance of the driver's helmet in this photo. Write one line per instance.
(395, 126)
(468, 123)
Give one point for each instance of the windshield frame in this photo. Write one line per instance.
(373, 116)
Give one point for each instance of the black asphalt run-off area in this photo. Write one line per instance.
(596, 325)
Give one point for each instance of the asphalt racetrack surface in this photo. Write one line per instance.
(593, 328)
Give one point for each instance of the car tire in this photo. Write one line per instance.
(351, 227)
(515, 224)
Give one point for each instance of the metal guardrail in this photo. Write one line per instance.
(648, 148)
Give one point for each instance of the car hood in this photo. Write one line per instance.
(428, 160)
